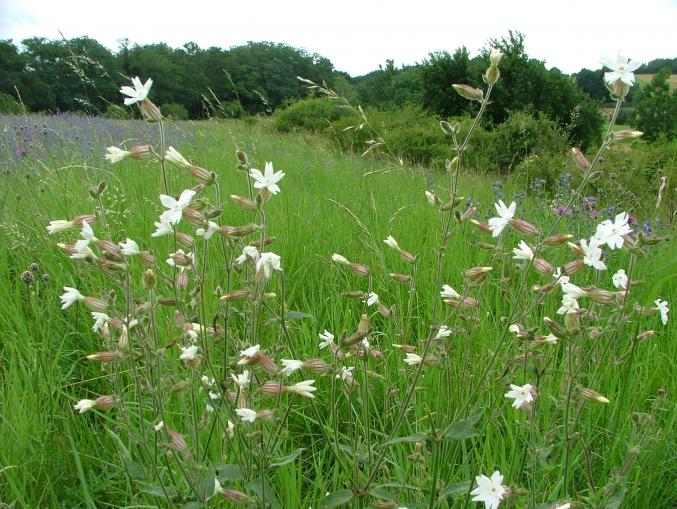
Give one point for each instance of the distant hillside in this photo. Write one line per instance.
(646, 78)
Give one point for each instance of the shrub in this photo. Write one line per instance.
(117, 112)
(522, 135)
(312, 114)
(175, 111)
(9, 105)
(656, 108)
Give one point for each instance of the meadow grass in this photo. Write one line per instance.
(51, 457)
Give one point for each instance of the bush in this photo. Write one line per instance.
(522, 135)
(175, 111)
(313, 114)
(117, 112)
(656, 108)
(10, 105)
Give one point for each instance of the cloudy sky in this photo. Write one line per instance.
(357, 36)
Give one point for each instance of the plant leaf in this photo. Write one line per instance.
(416, 437)
(336, 499)
(455, 488)
(287, 459)
(228, 472)
(461, 430)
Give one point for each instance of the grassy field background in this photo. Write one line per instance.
(50, 457)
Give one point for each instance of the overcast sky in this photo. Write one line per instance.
(357, 36)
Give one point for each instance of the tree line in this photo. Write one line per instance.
(82, 75)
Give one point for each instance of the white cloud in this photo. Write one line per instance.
(357, 36)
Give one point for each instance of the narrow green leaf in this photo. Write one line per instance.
(287, 459)
(455, 488)
(416, 437)
(257, 487)
(382, 494)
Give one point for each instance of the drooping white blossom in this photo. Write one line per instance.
(71, 296)
(175, 207)
(523, 252)
(115, 154)
(305, 389)
(505, 215)
(129, 248)
(84, 405)
(267, 263)
(620, 279)
(663, 309)
(327, 339)
(246, 414)
(207, 234)
(592, 254)
(449, 293)
(138, 93)
(290, 366)
(522, 395)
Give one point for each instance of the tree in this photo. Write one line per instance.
(438, 73)
(656, 108)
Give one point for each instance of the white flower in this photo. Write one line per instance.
(214, 395)
(129, 248)
(70, 297)
(159, 426)
(267, 180)
(138, 93)
(290, 366)
(346, 374)
(246, 414)
(340, 259)
(371, 299)
(266, 264)
(495, 56)
(551, 339)
(663, 309)
(188, 353)
(189, 258)
(522, 395)
(569, 306)
(514, 328)
(412, 359)
(250, 352)
(497, 224)
(443, 332)
(592, 254)
(230, 429)
(621, 69)
(100, 319)
(620, 279)
(559, 277)
(391, 242)
(173, 156)
(212, 228)
(327, 339)
(59, 225)
(161, 229)
(174, 207)
(611, 233)
(249, 252)
(449, 293)
(523, 252)
(572, 291)
(84, 405)
(87, 233)
(241, 380)
(489, 490)
(115, 155)
(205, 380)
(304, 388)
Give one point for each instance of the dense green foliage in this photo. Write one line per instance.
(656, 108)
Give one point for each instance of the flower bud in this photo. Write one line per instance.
(178, 443)
(491, 75)
(239, 231)
(182, 279)
(469, 214)
(150, 112)
(591, 395)
(477, 273)
(524, 227)
(95, 304)
(267, 363)
(543, 266)
(555, 327)
(242, 157)
(573, 267)
(450, 128)
(236, 295)
(432, 198)
(105, 402)
(185, 240)
(400, 278)
(105, 356)
(580, 160)
(468, 92)
(87, 218)
(542, 289)
(481, 226)
(261, 243)
(194, 217)
(139, 151)
(627, 135)
(353, 294)
(645, 336)
(452, 204)
(484, 246)
(359, 269)
(604, 297)
(495, 57)
(201, 175)
(266, 415)
(273, 389)
(149, 280)
(466, 302)
(232, 495)
(147, 258)
(243, 202)
(558, 239)
(407, 256)
(317, 366)
(405, 348)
